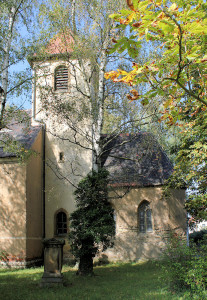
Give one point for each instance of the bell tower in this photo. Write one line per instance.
(58, 104)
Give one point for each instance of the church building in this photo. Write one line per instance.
(36, 197)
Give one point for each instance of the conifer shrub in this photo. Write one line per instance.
(92, 225)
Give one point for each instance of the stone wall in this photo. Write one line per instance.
(167, 215)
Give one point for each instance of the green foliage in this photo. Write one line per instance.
(175, 73)
(186, 267)
(13, 116)
(191, 160)
(178, 33)
(198, 237)
(16, 42)
(177, 257)
(92, 223)
(196, 277)
(14, 147)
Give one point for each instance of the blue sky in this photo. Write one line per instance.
(21, 101)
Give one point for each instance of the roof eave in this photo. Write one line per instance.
(37, 58)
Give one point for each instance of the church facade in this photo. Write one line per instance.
(36, 197)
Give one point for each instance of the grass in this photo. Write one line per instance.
(118, 281)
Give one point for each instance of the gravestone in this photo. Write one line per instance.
(53, 260)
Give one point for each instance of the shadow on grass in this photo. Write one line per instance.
(118, 281)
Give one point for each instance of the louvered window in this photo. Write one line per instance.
(61, 79)
(61, 224)
(144, 217)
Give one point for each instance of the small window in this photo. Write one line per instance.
(61, 79)
(61, 224)
(61, 157)
(144, 217)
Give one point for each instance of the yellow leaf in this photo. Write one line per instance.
(122, 72)
(173, 7)
(112, 74)
(131, 17)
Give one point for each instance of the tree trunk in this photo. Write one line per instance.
(73, 17)
(5, 64)
(86, 265)
(98, 110)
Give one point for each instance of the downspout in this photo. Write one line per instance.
(43, 146)
(43, 179)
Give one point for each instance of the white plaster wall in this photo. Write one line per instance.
(62, 175)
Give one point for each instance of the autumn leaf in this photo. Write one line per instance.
(123, 21)
(179, 43)
(137, 24)
(130, 4)
(135, 95)
(111, 75)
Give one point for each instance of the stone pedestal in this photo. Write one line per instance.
(53, 259)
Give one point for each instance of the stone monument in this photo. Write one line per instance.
(53, 260)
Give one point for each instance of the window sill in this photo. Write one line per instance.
(61, 91)
(145, 233)
(61, 236)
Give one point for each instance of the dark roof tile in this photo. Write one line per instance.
(135, 159)
(19, 132)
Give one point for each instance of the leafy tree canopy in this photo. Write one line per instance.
(175, 73)
(178, 32)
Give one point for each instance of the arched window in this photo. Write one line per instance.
(61, 78)
(61, 223)
(144, 217)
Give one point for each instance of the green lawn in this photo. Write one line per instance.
(123, 281)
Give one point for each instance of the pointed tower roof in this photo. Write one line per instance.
(60, 44)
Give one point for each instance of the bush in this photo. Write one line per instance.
(196, 277)
(177, 257)
(186, 267)
(198, 237)
(92, 223)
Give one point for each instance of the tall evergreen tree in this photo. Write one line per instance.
(92, 223)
